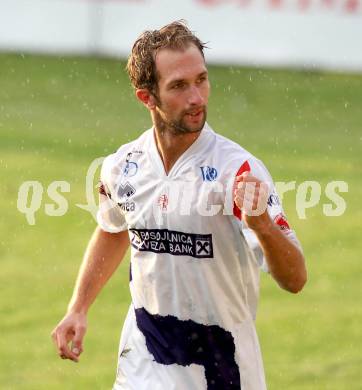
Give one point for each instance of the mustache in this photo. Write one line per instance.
(195, 110)
(177, 127)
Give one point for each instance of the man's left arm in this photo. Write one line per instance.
(284, 259)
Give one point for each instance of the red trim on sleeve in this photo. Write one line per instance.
(282, 222)
(102, 190)
(244, 168)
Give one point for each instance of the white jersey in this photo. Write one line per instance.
(194, 276)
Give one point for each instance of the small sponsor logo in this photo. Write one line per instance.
(163, 202)
(273, 200)
(126, 191)
(127, 206)
(129, 155)
(173, 242)
(208, 173)
(130, 169)
(203, 247)
(125, 352)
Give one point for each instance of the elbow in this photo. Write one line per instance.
(297, 285)
(298, 277)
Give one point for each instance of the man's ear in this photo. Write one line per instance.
(146, 98)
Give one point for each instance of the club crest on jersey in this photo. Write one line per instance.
(208, 173)
(125, 191)
(163, 202)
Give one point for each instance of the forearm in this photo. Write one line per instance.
(104, 253)
(285, 260)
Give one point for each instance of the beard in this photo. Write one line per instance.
(178, 126)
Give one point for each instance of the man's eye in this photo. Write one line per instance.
(202, 79)
(177, 86)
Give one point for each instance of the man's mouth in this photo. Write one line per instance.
(195, 113)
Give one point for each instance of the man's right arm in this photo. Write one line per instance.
(102, 257)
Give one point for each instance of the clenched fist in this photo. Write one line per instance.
(251, 196)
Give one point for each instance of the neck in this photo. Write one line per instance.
(171, 146)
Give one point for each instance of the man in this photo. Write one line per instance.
(202, 217)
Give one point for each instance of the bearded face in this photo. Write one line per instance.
(188, 121)
(183, 91)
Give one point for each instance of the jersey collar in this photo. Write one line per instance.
(194, 149)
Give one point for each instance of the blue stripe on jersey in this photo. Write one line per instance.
(174, 341)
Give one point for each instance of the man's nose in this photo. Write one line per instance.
(195, 97)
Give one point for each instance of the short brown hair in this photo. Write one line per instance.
(141, 65)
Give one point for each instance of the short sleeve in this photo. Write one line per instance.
(110, 217)
(274, 208)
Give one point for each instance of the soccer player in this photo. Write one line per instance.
(202, 217)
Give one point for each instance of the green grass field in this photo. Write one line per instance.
(58, 114)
